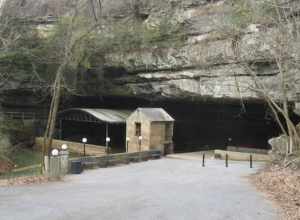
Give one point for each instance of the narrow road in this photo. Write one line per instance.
(166, 189)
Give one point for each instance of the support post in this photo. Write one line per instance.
(203, 160)
(107, 140)
(107, 154)
(251, 161)
(226, 160)
(106, 130)
(127, 144)
(60, 129)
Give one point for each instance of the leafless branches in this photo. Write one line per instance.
(278, 39)
(72, 40)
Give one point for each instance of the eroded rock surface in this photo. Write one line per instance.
(209, 63)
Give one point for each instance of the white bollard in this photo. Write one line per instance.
(54, 165)
(64, 160)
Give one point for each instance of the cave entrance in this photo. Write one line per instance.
(206, 124)
(95, 125)
(217, 125)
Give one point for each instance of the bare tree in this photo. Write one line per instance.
(75, 34)
(280, 26)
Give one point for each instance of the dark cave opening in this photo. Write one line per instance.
(204, 125)
(216, 126)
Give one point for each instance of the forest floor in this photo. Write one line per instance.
(281, 185)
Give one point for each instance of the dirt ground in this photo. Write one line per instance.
(282, 185)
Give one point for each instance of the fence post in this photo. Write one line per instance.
(203, 160)
(251, 161)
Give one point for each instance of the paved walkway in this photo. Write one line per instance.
(166, 189)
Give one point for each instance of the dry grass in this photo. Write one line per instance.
(282, 185)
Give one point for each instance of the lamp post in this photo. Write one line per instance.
(107, 140)
(140, 146)
(64, 147)
(127, 143)
(54, 152)
(84, 141)
(229, 142)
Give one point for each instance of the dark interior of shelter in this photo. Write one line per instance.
(95, 133)
(199, 125)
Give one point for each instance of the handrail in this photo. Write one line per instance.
(27, 168)
(23, 115)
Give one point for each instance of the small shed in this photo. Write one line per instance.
(154, 125)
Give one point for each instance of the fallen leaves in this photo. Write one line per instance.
(283, 186)
(28, 180)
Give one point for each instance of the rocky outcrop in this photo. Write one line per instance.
(209, 63)
(279, 145)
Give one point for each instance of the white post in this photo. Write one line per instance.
(64, 159)
(55, 166)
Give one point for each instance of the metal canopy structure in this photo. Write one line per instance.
(96, 115)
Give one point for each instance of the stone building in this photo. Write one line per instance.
(154, 125)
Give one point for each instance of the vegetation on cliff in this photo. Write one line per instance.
(280, 26)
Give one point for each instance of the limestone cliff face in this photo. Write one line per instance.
(204, 65)
(207, 64)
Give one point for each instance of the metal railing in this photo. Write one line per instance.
(23, 115)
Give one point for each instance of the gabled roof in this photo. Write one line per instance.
(95, 115)
(155, 114)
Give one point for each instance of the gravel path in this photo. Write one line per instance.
(161, 189)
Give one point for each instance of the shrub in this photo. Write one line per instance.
(242, 13)
(13, 132)
(5, 146)
(135, 36)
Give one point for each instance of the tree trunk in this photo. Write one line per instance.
(50, 128)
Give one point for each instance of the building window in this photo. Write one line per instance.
(138, 129)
